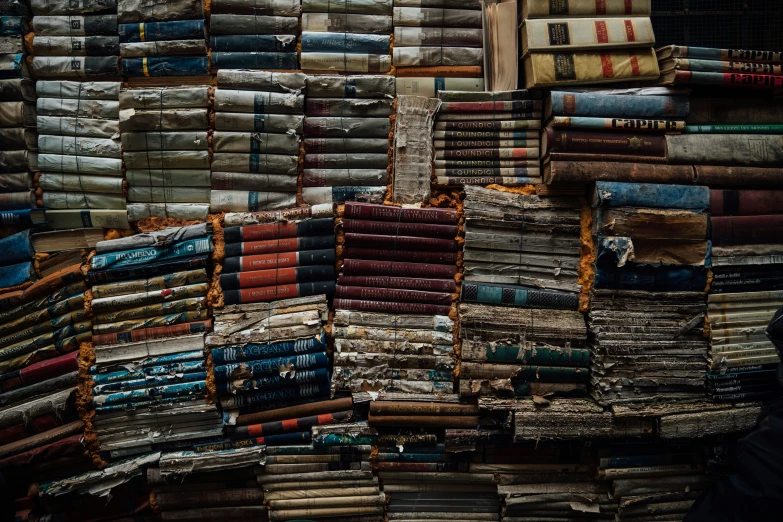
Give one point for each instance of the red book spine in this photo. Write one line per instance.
(401, 242)
(392, 294)
(34, 426)
(49, 368)
(273, 293)
(388, 268)
(356, 210)
(745, 202)
(268, 231)
(492, 106)
(487, 154)
(267, 261)
(391, 307)
(290, 244)
(260, 278)
(743, 230)
(413, 256)
(362, 226)
(157, 332)
(564, 140)
(410, 283)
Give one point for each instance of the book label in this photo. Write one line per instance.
(629, 32)
(606, 66)
(559, 7)
(564, 67)
(601, 32)
(757, 148)
(600, 7)
(558, 33)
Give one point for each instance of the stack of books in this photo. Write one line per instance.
(258, 122)
(18, 140)
(331, 479)
(72, 40)
(681, 65)
(166, 40)
(651, 252)
(166, 151)
(438, 44)
(268, 356)
(583, 42)
(79, 150)
(745, 292)
(41, 329)
(346, 36)
(275, 261)
(347, 132)
(487, 138)
(247, 35)
(147, 373)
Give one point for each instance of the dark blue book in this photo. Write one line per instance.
(254, 60)
(16, 248)
(15, 275)
(161, 31)
(265, 43)
(255, 351)
(315, 42)
(166, 66)
(26, 217)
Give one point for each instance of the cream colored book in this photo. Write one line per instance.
(501, 48)
(550, 69)
(581, 34)
(582, 8)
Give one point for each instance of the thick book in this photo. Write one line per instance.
(253, 60)
(16, 248)
(363, 226)
(276, 277)
(144, 256)
(166, 66)
(725, 149)
(252, 42)
(738, 230)
(686, 64)
(517, 296)
(563, 103)
(412, 256)
(574, 68)
(161, 31)
(707, 53)
(292, 244)
(389, 294)
(400, 242)
(291, 229)
(391, 307)
(621, 124)
(732, 79)
(733, 129)
(279, 260)
(586, 172)
(745, 202)
(582, 8)
(586, 34)
(370, 211)
(614, 194)
(274, 293)
(568, 141)
(345, 42)
(391, 268)
(409, 283)
(159, 332)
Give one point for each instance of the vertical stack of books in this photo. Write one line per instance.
(587, 42)
(330, 480)
(346, 36)
(162, 40)
(745, 292)
(18, 140)
(248, 34)
(79, 150)
(647, 308)
(347, 132)
(148, 375)
(166, 151)
(258, 126)
(269, 356)
(487, 138)
(75, 39)
(612, 135)
(278, 261)
(438, 46)
(41, 329)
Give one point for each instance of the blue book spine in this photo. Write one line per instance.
(252, 42)
(345, 43)
(512, 295)
(652, 279)
(14, 275)
(269, 399)
(282, 439)
(143, 256)
(617, 194)
(254, 352)
(337, 439)
(168, 369)
(166, 66)
(11, 25)
(161, 31)
(18, 217)
(163, 361)
(15, 71)
(319, 376)
(266, 367)
(148, 381)
(614, 105)
(254, 60)
(172, 391)
(16, 248)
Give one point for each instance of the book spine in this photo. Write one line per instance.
(146, 334)
(279, 260)
(267, 367)
(402, 242)
(331, 195)
(342, 42)
(161, 31)
(270, 398)
(151, 284)
(253, 42)
(744, 202)
(584, 8)
(652, 279)
(362, 226)
(272, 440)
(386, 408)
(355, 210)
(725, 149)
(441, 71)
(17, 217)
(588, 34)
(452, 181)
(727, 230)
(734, 79)
(349, 23)
(409, 283)
(299, 424)
(596, 143)
(484, 144)
(143, 256)
(520, 297)
(254, 60)
(609, 105)
(586, 172)
(387, 294)
(487, 154)
(273, 293)
(153, 269)
(308, 227)
(618, 124)
(319, 376)
(614, 194)
(733, 129)
(276, 277)
(255, 351)
(390, 268)
(347, 127)
(391, 307)
(303, 410)
(346, 62)
(17, 248)
(338, 177)
(577, 357)
(470, 370)
(739, 177)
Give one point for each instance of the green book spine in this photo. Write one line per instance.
(734, 129)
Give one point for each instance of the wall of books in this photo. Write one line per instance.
(379, 260)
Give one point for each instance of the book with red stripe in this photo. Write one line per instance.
(309, 227)
(409, 283)
(392, 294)
(288, 244)
(363, 226)
(278, 260)
(356, 210)
(157, 332)
(276, 277)
(273, 293)
(401, 242)
(300, 424)
(678, 77)
(391, 307)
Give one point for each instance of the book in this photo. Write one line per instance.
(614, 194)
(278, 260)
(549, 69)
(580, 8)
(581, 34)
(734, 79)
(562, 103)
(725, 149)
(276, 277)
(567, 141)
(26, 217)
(585, 172)
(501, 58)
(706, 53)
(80, 238)
(744, 202)
(622, 124)
(686, 64)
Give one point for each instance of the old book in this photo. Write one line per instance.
(614, 194)
(581, 8)
(347, 23)
(735, 79)
(586, 34)
(619, 124)
(704, 53)
(583, 172)
(413, 148)
(67, 239)
(723, 149)
(544, 70)
(555, 140)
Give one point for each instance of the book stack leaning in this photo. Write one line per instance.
(144, 380)
(346, 36)
(251, 35)
(256, 143)
(583, 41)
(485, 138)
(79, 151)
(166, 151)
(347, 129)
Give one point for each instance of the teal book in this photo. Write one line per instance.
(143, 256)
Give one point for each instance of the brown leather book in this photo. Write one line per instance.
(586, 172)
(565, 140)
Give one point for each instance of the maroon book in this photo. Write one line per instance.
(409, 283)
(411, 256)
(390, 228)
(391, 307)
(746, 230)
(389, 268)
(565, 140)
(356, 210)
(745, 202)
(363, 293)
